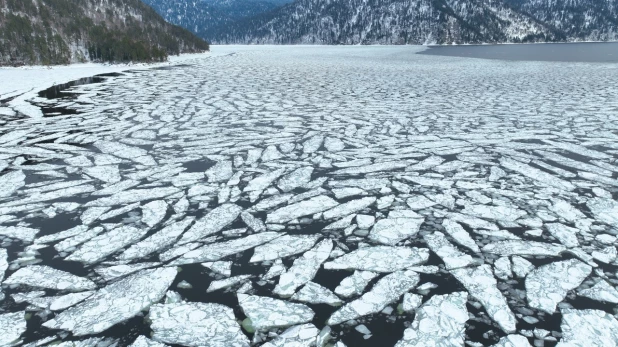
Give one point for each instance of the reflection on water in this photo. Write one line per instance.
(602, 52)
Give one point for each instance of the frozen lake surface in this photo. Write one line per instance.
(589, 52)
(314, 196)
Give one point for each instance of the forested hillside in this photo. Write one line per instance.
(65, 31)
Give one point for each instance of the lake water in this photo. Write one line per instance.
(597, 52)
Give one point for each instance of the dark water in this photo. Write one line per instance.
(604, 52)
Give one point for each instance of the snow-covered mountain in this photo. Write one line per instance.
(590, 20)
(426, 21)
(202, 17)
(65, 31)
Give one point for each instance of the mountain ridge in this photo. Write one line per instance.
(421, 22)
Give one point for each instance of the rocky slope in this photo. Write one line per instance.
(66, 31)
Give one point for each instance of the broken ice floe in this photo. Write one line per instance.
(439, 322)
(266, 313)
(379, 259)
(481, 284)
(115, 303)
(196, 324)
(41, 276)
(386, 291)
(548, 285)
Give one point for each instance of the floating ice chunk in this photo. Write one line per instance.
(349, 208)
(20, 233)
(355, 284)
(41, 276)
(118, 211)
(343, 223)
(460, 235)
(262, 182)
(284, 246)
(365, 221)
(411, 302)
(536, 174)
(605, 210)
(314, 293)
(385, 201)
(606, 255)
(440, 321)
(521, 267)
(341, 193)
(304, 208)
(4, 264)
(212, 223)
(143, 341)
(116, 188)
(602, 291)
(583, 328)
(108, 173)
(154, 212)
(220, 172)
(266, 313)
(115, 303)
(452, 257)
(12, 326)
(220, 250)
(578, 149)
(524, 248)
(386, 291)
(226, 283)
(334, 144)
(120, 150)
(253, 155)
(116, 271)
(548, 284)
(157, 241)
(473, 222)
(271, 153)
(135, 195)
(502, 268)
(426, 164)
(90, 215)
(380, 259)
(366, 184)
(65, 301)
(386, 166)
(497, 213)
(78, 239)
(220, 267)
(392, 230)
(11, 182)
(481, 284)
(271, 202)
(299, 336)
(313, 144)
(429, 182)
(420, 202)
(566, 235)
(304, 268)
(275, 270)
(496, 173)
(196, 324)
(295, 179)
(105, 244)
(513, 341)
